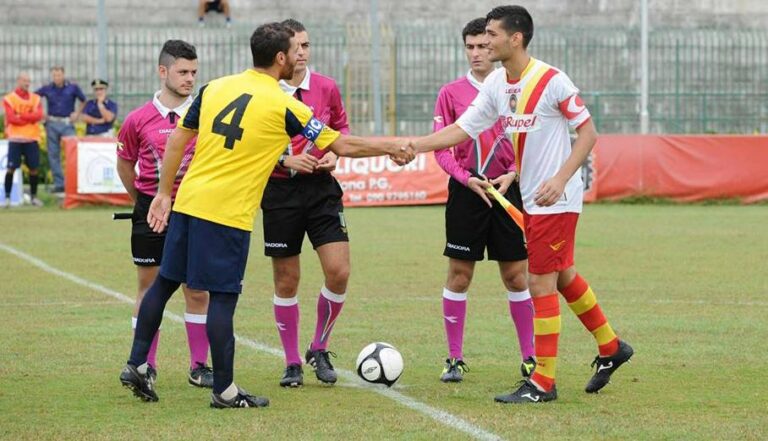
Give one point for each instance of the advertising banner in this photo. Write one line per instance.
(92, 178)
(369, 182)
(16, 189)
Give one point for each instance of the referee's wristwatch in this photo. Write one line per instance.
(281, 161)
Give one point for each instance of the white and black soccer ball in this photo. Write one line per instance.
(380, 363)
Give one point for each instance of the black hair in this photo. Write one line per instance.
(267, 41)
(474, 27)
(175, 49)
(513, 19)
(294, 25)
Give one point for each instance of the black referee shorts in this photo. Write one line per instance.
(306, 203)
(146, 245)
(471, 226)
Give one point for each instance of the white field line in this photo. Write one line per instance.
(438, 415)
(66, 304)
(709, 302)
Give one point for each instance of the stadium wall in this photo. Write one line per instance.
(677, 13)
(702, 81)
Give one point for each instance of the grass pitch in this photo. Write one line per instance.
(685, 285)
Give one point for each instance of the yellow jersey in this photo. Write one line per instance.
(244, 122)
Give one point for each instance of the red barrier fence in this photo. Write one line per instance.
(683, 168)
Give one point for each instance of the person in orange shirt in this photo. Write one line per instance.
(23, 112)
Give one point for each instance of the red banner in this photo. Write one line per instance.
(589, 177)
(683, 168)
(378, 181)
(366, 181)
(369, 182)
(73, 194)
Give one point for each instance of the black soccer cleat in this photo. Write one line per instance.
(152, 372)
(454, 371)
(242, 400)
(527, 393)
(293, 376)
(527, 367)
(142, 385)
(321, 362)
(606, 366)
(201, 376)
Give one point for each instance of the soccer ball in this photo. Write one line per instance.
(380, 363)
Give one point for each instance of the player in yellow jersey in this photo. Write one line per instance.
(243, 123)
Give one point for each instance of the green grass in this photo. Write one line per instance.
(686, 285)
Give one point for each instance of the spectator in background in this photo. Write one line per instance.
(61, 96)
(99, 113)
(23, 112)
(220, 6)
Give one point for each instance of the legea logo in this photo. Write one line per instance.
(521, 123)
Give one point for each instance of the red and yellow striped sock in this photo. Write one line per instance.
(546, 331)
(583, 303)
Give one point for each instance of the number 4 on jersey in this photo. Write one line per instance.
(231, 131)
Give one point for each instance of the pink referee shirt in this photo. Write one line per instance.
(142, 139)
(321, 94)
(491, 153)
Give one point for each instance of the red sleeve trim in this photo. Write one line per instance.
(571, 107)
(583, 122)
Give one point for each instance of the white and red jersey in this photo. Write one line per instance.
(142, 139)
(535, 111)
